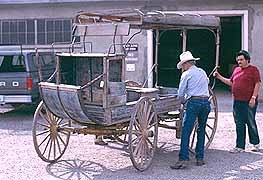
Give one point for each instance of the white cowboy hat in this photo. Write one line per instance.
(184, 57)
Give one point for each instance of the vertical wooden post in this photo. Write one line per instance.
(58, 70)
(184, 34)
(39, 68)
(217, 47)
(123, 68)
(105, 80)
(156, 56)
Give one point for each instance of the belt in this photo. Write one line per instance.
(199, 97)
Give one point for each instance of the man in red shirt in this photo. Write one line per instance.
(245, 83)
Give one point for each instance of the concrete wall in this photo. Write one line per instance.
(256, 47)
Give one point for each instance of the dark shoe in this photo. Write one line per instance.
(181, 164)
(255, 148)
(200, 162)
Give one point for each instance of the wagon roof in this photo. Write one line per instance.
(180, 20)
(153, 20)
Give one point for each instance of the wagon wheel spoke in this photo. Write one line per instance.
(194, 134)
(59, 148)
(50, 147)
(64, 132)
(137, 133)
(136, 140)
(65, 144)
(137, 148)
(137, 125)
(44, 125)
(44, 116)
(207, 135)
(47, 134)
(149, 118)
(47, 145)
(148, 149)
(63, 125)
(210, 127)
(152, 125)
(43, 132)
(59, 121)
(144, 121)
(54, 150)
(148, 140)
(148, 112)
(44, 140)
(141, 155)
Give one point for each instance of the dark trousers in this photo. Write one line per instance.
(195, 108)
(245, 115)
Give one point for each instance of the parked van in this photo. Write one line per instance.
(19, 75)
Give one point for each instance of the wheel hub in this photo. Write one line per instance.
(147, 133)
(53, 130)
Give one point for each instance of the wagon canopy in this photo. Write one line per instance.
(174, 21)
(153, 20)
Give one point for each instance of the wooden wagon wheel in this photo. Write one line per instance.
(143, 133)
(49, 140)
(211, 124)
(123, 138)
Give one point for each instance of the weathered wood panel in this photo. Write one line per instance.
(95, 113)
(51, 99)
(179, 20)
(116, 94)
(71, 102)
(166, 104)
(121, 112)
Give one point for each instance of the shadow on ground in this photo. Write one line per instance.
(219, 165)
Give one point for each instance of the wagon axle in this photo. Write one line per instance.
(94, 131)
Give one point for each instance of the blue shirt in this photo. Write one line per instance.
(193, 82)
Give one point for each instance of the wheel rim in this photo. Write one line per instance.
(50, 141)
(143, 133)
(211, 124)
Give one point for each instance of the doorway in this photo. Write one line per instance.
(202, 44)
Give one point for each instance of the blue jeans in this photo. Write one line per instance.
(245, 115)
(195, 108)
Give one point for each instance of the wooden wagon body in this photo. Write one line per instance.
(106, 101)
(90, 89)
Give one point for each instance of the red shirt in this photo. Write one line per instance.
(244, 81)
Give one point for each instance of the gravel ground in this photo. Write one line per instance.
(84, 160)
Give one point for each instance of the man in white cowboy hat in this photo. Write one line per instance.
(193, 89)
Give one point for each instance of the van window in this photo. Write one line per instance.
(12, 63)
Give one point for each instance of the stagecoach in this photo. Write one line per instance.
(89, 94)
